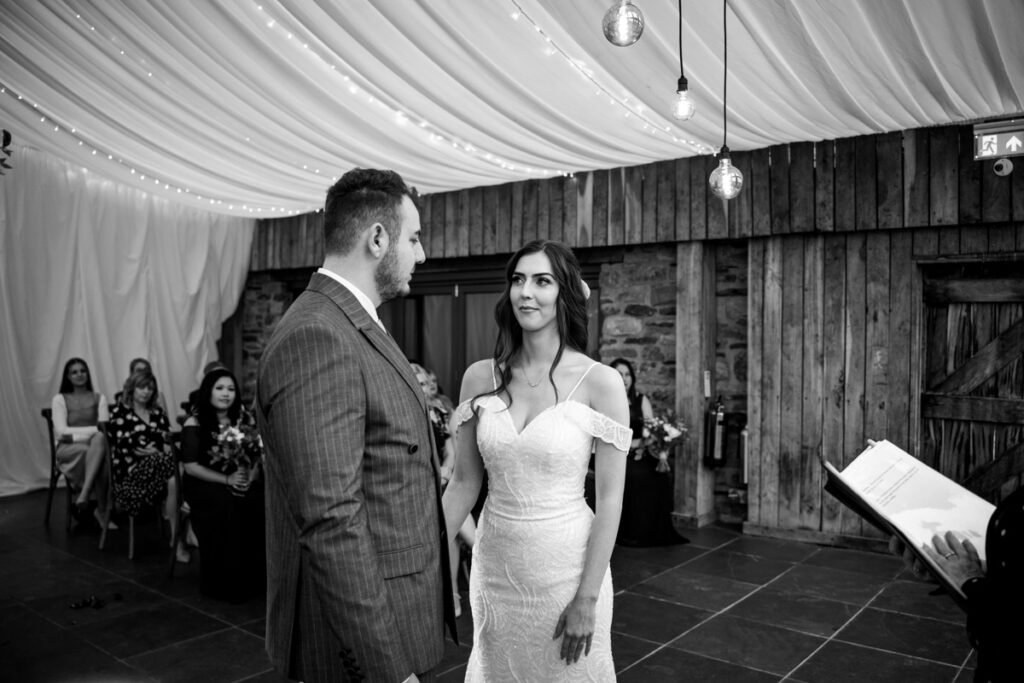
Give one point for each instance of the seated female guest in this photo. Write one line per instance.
(142, 365)
(141, 454)
(223, 455)
(78, 412)
(647, 498)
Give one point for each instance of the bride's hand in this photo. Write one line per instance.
(576, 624)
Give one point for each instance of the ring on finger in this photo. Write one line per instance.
(949, 554)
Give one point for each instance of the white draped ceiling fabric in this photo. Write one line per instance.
(251, 107)
(225, 111)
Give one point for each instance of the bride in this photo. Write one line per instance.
(540, 586)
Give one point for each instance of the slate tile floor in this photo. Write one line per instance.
(725, 607)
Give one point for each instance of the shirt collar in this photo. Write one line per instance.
(356, 292)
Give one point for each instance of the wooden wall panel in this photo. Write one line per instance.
(969, 177)
(760, 192)
(700, 169)
(833, 433)
(490, 220)
(865, 182)
(516, 234)
(649, 204)
(543, 210)
(889, 180)
(633, 192)
(902, 352)
(813, 390)
(474, 222)
(438, 221)
(682, 199)
(801, 187)
(740, 209)
(995, 193)
(530, 191)
(556, 210)
(771, 384)
(601, 223)
(854, 329)
(824, 186)
(911, 179)
(665, 207)
(503, 238)
(916, 174)
(778, 176)
(577, 209)
(791, 394)
(943, 164)
(877, 343)
(755, 387)
(617, 206)
(846, 184)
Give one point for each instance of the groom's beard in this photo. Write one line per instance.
(387, 278)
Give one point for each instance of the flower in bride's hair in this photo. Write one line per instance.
(585, 287)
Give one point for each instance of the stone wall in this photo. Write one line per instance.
(638, 310)
(638, 318)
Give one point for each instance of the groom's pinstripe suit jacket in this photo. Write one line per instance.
(354, 538)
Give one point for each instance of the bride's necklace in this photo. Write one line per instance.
(526, 378)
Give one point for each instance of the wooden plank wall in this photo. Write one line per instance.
(833, 357)
(918, 178)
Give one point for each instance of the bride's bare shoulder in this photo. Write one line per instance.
(478, 378)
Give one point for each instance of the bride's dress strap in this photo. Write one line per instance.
(580, 381)
(494, 374)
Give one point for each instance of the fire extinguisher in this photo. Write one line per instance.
(714, 434)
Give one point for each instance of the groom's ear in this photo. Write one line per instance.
(377, 241)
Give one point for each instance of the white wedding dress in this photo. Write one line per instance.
(531, 541)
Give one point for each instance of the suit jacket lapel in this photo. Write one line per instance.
(373, 332)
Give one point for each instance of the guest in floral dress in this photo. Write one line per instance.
(141, 453)
(224, 488)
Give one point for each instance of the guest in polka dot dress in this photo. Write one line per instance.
(994, 589)
(141, 454)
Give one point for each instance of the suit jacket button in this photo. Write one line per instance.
(413, 448)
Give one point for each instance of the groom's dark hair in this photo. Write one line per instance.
(362, 197)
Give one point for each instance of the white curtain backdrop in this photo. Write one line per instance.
(102, 271)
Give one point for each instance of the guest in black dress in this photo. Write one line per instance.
(647, 499)
(225, 493)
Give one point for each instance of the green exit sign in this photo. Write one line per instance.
(999, 139)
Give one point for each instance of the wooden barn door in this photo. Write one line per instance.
(972, 410)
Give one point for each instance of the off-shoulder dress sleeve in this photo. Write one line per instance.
(462, 414)
(602, 427)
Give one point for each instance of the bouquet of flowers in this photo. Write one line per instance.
(661, 433)
(237, 446)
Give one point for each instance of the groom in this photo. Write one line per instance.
(355, 539)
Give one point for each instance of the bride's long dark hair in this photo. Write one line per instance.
(570, 311)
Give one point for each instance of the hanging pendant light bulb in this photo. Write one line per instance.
(683, 107)
(623, 23)
(726, 180)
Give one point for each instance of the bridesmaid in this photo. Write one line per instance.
(225, 495)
